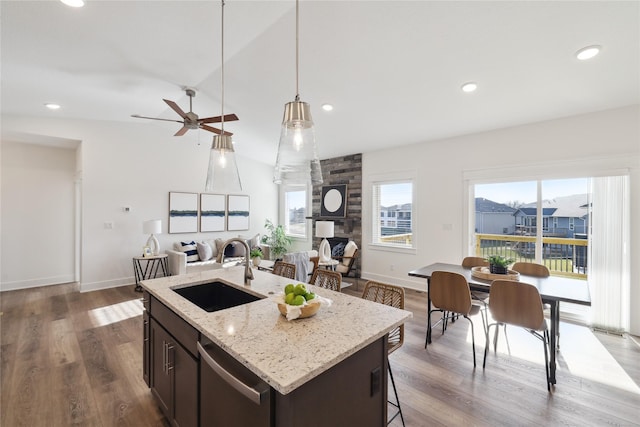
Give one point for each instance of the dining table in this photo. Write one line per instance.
(553, 290)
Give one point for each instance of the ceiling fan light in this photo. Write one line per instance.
(222, 175)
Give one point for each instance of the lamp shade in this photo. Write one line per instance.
(297, 161)
(324, 229)
(223, 173)
(153, 226)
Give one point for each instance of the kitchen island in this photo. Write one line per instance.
(331, 366)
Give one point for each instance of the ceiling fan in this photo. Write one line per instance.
(190, 119)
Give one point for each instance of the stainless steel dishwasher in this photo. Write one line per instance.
(230, 394)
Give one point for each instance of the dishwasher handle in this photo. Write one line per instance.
(256, 396)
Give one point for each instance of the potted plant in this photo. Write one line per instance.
(256, 256)
(277, 239)
(499, 264)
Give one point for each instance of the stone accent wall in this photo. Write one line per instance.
(342, 170)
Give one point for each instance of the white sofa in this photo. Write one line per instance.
(205, 254)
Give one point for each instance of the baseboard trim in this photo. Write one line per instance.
(35, 283)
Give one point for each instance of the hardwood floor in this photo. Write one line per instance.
(75, 359)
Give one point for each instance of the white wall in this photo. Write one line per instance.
(38, 215)
(583, 143)
(136, 166)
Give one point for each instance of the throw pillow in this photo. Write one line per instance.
(205, 252)
(338, 250)
(349, 250)
(253, 242)
(191, 250)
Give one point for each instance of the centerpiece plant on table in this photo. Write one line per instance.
(499, 264)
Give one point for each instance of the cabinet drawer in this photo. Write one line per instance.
(184, 333)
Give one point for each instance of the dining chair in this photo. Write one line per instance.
(535, 270)
(393, 296)
(531, 269)
(326, 279)
(519, 304)
(285, 269)
(476, 261)
(451, 295)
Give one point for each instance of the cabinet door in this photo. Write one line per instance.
(185, 371)
(161, 383)
(146, 348)
(230, 394)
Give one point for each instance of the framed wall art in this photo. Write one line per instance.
(237, 212)
(213, 212)
(183, 212)
(333, 202)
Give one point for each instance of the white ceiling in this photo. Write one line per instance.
(392, 69)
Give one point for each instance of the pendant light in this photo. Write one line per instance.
(297, 161)
(222, 174)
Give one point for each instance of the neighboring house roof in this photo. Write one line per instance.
(532, 211)
(403, 207)
(573, 206)
(488, 206)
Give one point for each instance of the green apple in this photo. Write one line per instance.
(298, 300)
(289, 288)
(288, 299)
(300, 289)
(309, 296)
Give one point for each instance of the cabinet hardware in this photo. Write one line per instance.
(249, 392)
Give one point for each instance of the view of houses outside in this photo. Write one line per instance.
(510, 209)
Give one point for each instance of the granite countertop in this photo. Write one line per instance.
(285, 354)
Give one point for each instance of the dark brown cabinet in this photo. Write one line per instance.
(173, 368)
(196, 383)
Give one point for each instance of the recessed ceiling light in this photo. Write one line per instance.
(52, 106)
(469, 87)
(588, 52)
(327, 107)
(73, 3)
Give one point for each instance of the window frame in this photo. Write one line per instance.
(374, 227)
(284, 209)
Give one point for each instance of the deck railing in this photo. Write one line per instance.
(563, 257)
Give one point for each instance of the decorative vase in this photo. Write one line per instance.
(256, 261)
(497, 269)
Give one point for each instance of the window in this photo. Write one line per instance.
(295, 211)
(396, 199)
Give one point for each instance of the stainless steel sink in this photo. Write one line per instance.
(215, 296)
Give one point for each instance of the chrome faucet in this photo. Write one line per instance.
(248, 273)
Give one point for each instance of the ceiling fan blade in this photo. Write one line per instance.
(214, 130)
(182, 131)
(218, 119)
(176, 108)
(137, 116)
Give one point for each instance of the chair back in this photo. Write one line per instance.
(474, 261)
(326, 279)
(450, 292)
(285, 269)
(531, 269)
(516, 303)
(392, 296)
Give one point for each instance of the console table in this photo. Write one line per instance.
(153, 265)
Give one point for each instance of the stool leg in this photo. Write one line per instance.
(396, 394)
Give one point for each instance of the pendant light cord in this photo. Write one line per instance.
(222, 70)
(297, 49)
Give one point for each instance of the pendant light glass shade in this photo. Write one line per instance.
(297, 160)
(222, 175)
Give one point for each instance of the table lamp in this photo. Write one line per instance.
(324, 229)
(153, 226)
